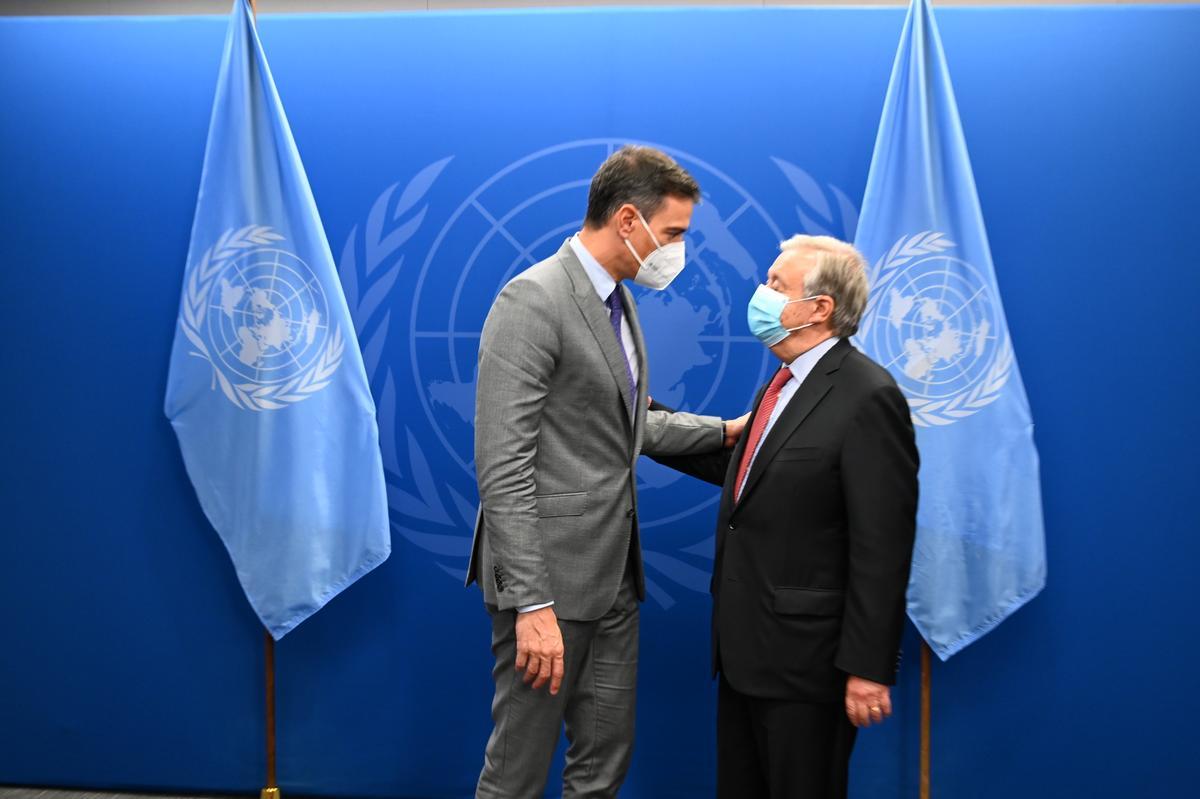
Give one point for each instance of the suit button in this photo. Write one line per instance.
(732, 526)
(629, 513)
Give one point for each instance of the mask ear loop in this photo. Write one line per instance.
(802, 299)
(653, 238)
(646, 225)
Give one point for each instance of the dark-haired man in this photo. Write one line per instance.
(560, 419)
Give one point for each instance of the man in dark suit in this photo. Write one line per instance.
(814, 538)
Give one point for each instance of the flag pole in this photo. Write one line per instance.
(272, 789)
(926, 690)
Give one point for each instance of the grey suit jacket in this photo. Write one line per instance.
(556, 445)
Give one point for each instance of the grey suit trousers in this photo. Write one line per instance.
(596, 704)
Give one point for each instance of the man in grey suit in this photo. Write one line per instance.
(560, 419)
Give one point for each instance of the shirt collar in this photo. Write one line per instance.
(601, 280)
(804, 363)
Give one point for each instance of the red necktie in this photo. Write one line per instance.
(760, 424)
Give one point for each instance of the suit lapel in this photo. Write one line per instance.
(814, 389)
(596, 315)
(728, 508)
(739, 450)
(642, 366)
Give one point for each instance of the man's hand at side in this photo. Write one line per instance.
(867, 702)
(540, 648)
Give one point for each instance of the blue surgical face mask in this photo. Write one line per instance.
(764, 312)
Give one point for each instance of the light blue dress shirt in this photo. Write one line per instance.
(800, 368)
(605, 286)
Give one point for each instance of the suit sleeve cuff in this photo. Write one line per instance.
(876, 672)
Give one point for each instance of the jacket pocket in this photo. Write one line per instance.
(549, 505)
(809, 601)
(798, 454)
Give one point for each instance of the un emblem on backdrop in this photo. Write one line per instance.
(702, 357)
(934, 322)
(257, 313)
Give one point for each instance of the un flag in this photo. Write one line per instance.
(267, 392)
(936, 322)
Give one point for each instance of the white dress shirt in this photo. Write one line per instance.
(604, 284)
(800, 368)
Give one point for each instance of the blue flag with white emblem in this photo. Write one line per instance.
(935, 321)
(267, 392)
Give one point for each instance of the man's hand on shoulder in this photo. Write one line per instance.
(540, 648)
(867, 702)
(733, 430)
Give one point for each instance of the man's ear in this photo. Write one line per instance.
(823, 311)
(625, 219)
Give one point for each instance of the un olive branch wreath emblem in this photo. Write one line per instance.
(197, 291)
(942, 412)
(372, 260)
(929, 413)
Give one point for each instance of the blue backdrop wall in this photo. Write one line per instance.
(447, 152)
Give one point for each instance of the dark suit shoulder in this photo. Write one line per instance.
(866, 373)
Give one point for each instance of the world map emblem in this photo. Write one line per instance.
(258, 314)
(702, 358)
(934, 321)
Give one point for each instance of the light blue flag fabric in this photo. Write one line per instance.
(267, 391)
(936, 322)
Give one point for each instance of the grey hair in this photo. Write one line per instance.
(838, 271)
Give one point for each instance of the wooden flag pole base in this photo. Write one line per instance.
(272, 789)
(926, 715)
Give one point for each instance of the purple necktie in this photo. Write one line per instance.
(616, 307)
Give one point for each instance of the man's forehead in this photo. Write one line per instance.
(794, 261)
(674, 209)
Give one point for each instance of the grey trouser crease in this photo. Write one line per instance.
(596, 704)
